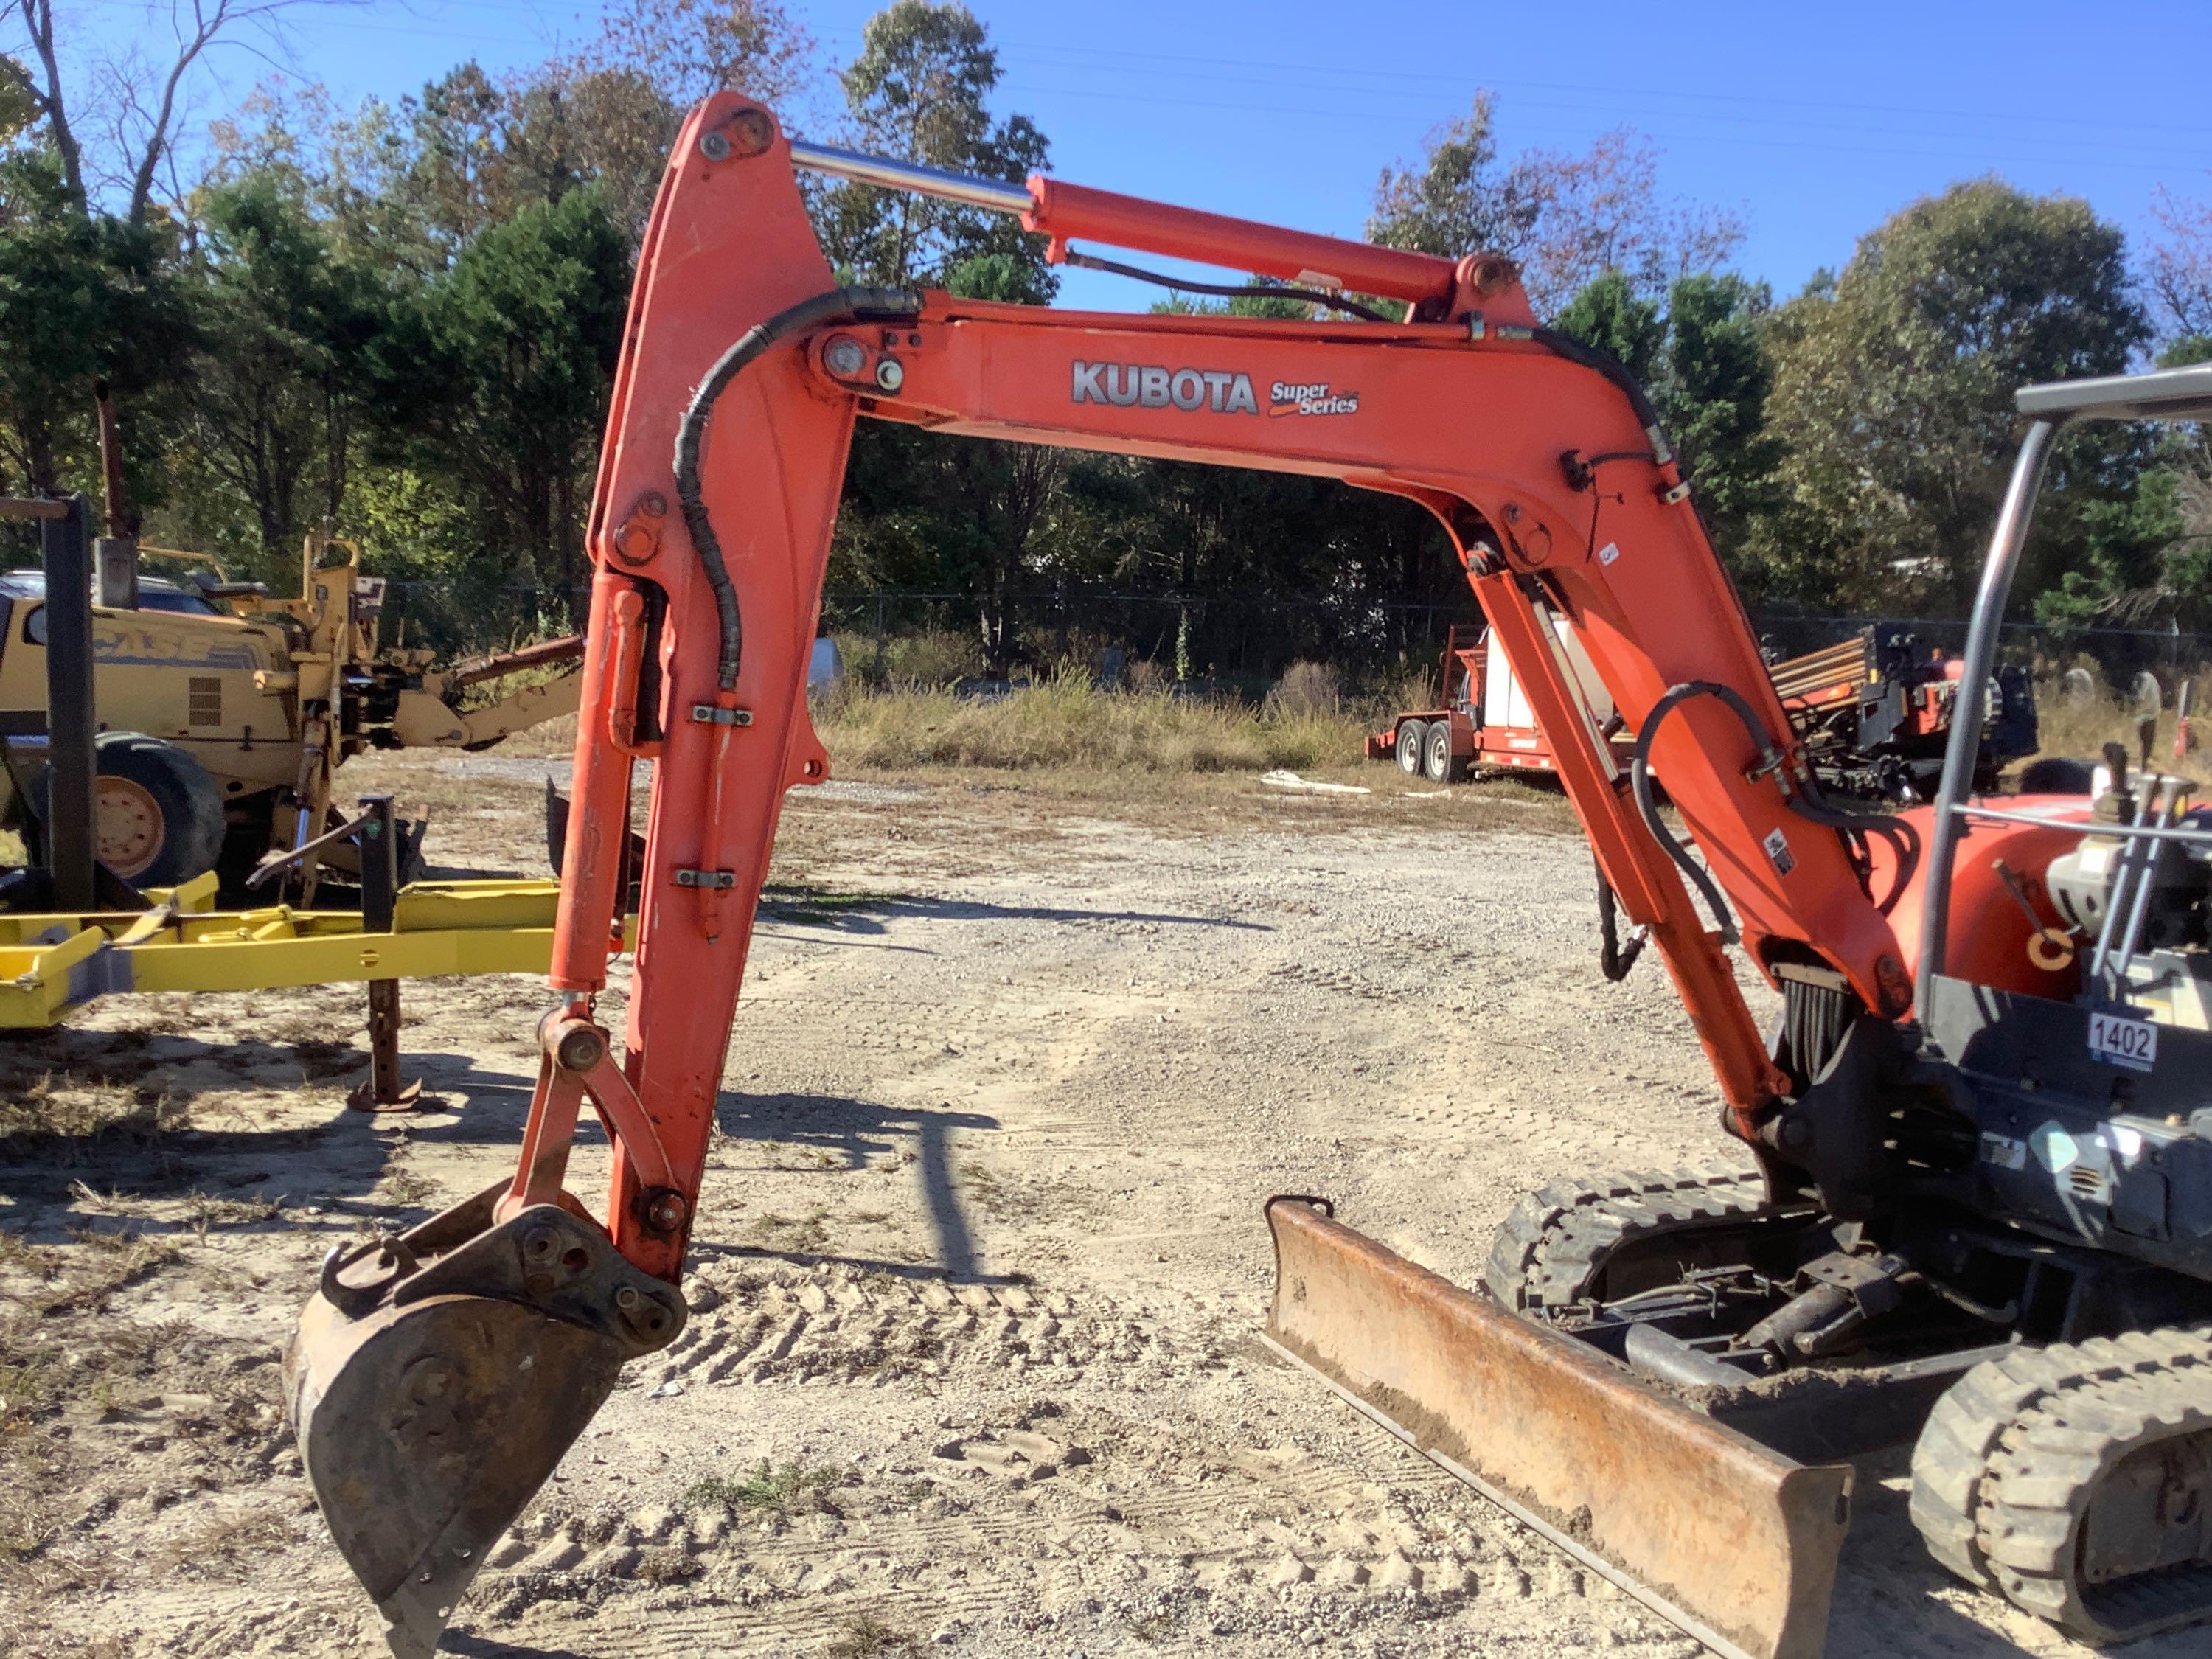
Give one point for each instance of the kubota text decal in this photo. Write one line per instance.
(1224, 392)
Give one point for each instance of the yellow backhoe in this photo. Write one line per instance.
(224, 714)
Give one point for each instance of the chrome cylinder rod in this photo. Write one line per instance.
(996, 194)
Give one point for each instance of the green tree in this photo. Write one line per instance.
(493, 377)
(1893, 396)
(1609, 313)
(83, 299)
(271, 393)
(919, 91)
(921, 510)
(1703, 362)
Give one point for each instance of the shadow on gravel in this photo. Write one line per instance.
(867, 913)
(91, 1124)
(479, 1647)
(843, 1132)
(1892, 1598)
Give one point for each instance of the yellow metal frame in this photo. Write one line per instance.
(50, 966)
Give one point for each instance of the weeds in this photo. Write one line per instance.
(19, 1254)
(203, 1211)
(1067, 720)
(225, 1542)
(928, 657)
(793, 1487)
(25, 1386)
(404, 1189)
(66, 1117)
(667, 1565)
(114, 1260)
(868, 1636)
(802, 1236)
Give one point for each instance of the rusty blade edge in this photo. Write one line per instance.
(1686, 1622)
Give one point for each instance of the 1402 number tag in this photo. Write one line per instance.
(2118, 1040)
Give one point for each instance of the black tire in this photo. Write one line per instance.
(1412, 739)
(161, 818)
(1438, 764)
(2058, 774)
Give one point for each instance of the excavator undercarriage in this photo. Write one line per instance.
(1975, 1176)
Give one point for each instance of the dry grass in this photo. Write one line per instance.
(1068, 721)
(2079, 728)
(2082, 728)
(927, 659)
(867, 1637)
(60, 1118)
(224, 1546)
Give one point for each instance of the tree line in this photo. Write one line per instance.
(400, 320)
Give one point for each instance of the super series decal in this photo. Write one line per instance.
(1223, 392)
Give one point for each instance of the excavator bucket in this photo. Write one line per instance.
(437, 1378)
(1732, 1542)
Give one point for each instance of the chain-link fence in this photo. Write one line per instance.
(1238, 644)
(465, 619)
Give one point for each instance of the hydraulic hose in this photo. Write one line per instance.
(1639, 774)
(1605, 363)
(1806, 802)
(841, 305)
(1613, 961)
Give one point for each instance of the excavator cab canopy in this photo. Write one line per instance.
(2166, 394)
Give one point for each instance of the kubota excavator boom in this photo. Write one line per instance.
(438, 1377)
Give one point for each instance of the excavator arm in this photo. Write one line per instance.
(439, 1376)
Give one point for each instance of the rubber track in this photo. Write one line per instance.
(2012, 1456)
(1553, 1245)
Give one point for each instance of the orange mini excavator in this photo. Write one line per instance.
(1973, 1180)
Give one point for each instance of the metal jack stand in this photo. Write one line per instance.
(376, 833)
(378, 840)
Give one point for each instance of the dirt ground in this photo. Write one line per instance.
(979, 1269)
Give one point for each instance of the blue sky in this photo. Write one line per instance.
(1811, 122)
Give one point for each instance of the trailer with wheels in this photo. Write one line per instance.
(1484, 723)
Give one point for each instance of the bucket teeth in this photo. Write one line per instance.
(430, 1409)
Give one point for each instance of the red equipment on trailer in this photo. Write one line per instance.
(1486, 720)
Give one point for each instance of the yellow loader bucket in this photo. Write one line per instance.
(1733, 1542)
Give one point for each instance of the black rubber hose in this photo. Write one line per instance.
(1319, 296)
(842, 304)
(1612, 961)
(1639, 774)
(1605, 363)
(1806, 803)
(1904, 839)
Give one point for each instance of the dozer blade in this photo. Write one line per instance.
(1733, 1542)
(436, 1379)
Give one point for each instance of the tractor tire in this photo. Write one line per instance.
(160, 817)
(1412, 740)
(1438, 763)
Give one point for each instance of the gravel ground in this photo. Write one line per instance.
(972, 1366)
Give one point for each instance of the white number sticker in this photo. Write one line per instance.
(2117, 1039)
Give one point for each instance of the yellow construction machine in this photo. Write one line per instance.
(223, 712)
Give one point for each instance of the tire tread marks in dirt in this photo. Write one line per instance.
(1555, 1243)
(2013, 1455)
(793, 1324)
